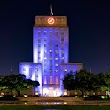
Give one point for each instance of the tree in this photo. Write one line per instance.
(101, 81)
(85, 81)
(106, 85)
(18, 83)
(68, 81)
(2, 86)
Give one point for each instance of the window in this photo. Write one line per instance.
(65, 69)
(50, 64)
(39, 45)
(62, 39)
(44, 45)
(62, 58)
(39, 33)
(56, 64)
(56, 51)
(56, 70)
(45, 80)
(39, 61)
(44, 70)
(56, 39)
(45, 51)
(45, 39)
(44, 32)
(44, 64)
(36, 69)
(50, 33)
(50, 39)
(45, 60)
(71, 70)
(62, 45)
(38, 57)
(50, 79)
(56, 33)
(38, 54)
(62, 61)
(50, 70)
(56, 58)
(24, 69)
(50, 45)
(56, 45)
(50, 58)
(30, 70)
(62, 51)
(50, 51)
(39, 41)
(62, 33)
(62, 55)
(56, 79)
(39, 51)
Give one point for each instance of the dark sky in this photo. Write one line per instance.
(89, 26)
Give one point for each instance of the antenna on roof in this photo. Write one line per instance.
(51, 13)
(11, 70)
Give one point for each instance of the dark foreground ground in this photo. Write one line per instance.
(54, 107)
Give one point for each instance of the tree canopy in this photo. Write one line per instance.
(69, 81)
(86, 81)
(17, 83)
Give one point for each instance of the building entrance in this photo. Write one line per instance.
(51, 92)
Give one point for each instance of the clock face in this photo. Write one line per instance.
(51, 20)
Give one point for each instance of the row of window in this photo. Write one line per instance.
(56, 51)
(56, 45)
(51, 64)
(51, 33)
(24, 69)
(51, 80)
(65, 70)
(45, 45)
(30, 69)
(51, 58)
(45, 70)
(62, 40)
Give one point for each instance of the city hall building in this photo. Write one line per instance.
(50, 56)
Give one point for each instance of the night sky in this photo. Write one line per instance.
(89, 31)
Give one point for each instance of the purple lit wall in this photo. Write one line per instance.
(32, 71)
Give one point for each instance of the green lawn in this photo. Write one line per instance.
(60, 107)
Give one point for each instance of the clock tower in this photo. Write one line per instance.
(50, 48)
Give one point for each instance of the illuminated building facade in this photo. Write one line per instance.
(50, 55)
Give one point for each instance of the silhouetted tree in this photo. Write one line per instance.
(85, 81)
(69, 81)
(18, 83)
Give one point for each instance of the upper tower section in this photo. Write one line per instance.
(51, 21)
